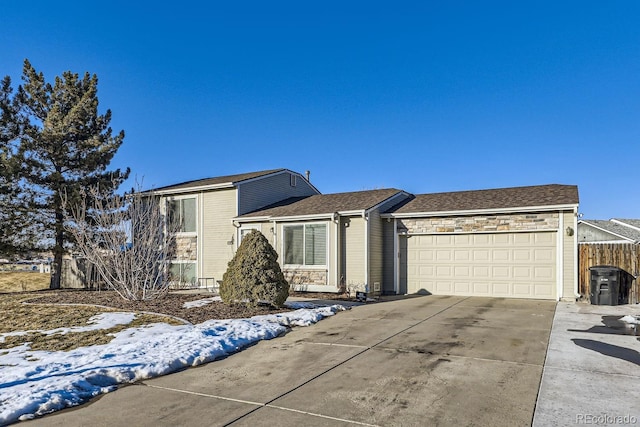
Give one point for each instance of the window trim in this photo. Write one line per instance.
(246, 227)
(304, 234)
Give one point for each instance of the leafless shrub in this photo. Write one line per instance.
(127, 239)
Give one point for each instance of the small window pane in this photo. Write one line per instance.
(189, 215)
(315, 244)
(293, 244)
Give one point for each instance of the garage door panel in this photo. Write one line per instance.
(481, 255)
(492, 264)
(546, 254)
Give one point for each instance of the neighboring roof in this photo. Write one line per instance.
(615, 228)
(228, 180)
(321, 204)
(494, 199)
(635, 223)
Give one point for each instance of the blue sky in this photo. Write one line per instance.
(423, 96)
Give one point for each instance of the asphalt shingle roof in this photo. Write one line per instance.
(499, 198)
(615, 228)
(631, 222)
(228, 179)
(325, 204)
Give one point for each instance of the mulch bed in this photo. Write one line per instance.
(171, 305)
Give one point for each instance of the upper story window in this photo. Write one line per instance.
(183, 211)
(293, 180)
(305, 244)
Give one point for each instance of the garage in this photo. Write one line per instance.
(516, 242)
(520, 265)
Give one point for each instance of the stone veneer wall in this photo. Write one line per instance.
(482, 223)
(187, 248)
(305, 277)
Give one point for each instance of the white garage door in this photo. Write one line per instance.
(520, 265)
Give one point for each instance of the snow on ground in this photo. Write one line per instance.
(38, 382)
(99, 321)
(632, 320)
(200, 302)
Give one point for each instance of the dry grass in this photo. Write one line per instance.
(21, 281)
(16, 316)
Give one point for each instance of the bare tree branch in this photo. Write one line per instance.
(127, 238)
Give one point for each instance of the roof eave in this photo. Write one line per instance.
(548, 208)
(194, 189)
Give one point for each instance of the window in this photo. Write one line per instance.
(184, 212)
(183, 272)
(246, 230)
(305, 244)
(293, 180)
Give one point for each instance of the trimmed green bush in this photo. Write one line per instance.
(254, 275)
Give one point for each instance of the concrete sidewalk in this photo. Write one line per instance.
(432, 360)
(592, 370)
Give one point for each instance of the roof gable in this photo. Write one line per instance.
(326, 204)
(493, 199)
(614, 228)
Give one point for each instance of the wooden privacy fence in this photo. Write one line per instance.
(622, 255)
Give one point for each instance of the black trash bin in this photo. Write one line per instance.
(609, 285)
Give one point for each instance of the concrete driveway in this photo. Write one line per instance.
(432, 360)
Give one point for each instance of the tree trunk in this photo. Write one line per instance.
(58, 251)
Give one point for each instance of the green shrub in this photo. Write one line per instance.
(254, 275)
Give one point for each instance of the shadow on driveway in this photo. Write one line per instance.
(610, 350)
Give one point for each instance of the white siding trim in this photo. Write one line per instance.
(199, 239)
(540, 230)
(336, 251)
(481, 211)
(366, 251)
(576, 293)
(560, 258)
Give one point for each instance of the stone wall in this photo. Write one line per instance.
(305, 276)
(187, 248)
(482, 223)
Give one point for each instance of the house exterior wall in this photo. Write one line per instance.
(352, 248)
(482, 223)
(389, 256)
(569, 257)
(258, 193)
(216, 231)
(187, 248)
(586, 233)
(376, 252)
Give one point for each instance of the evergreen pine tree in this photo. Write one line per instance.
(254, 275)
(66, 145)
(18, 230)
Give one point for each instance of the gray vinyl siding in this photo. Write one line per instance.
(376, 244)
(262, 192)
(570, 269)
(217, 232)
(388, 274)
(352, 250)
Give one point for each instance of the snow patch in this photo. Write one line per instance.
(35, 383)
